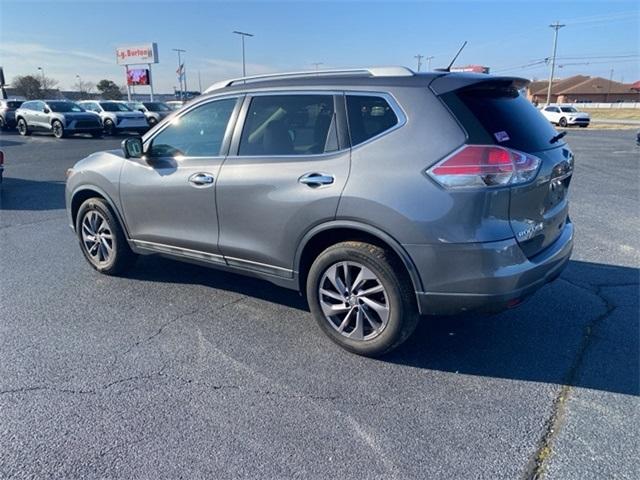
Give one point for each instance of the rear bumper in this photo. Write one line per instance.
(488, 277)
(579, 121)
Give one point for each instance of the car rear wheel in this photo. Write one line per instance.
(101, 238)
(3, 124)
(57, 129)
(23, 129)
(563, 122)
(109, 127)
(362, 298)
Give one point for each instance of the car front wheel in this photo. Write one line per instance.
(57, 129)
(362, 298)
(563, 122)
(23, 129)
(102, 240)
(109, 127)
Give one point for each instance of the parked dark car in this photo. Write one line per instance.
(380, 193)
(59, 117)
(8, 113)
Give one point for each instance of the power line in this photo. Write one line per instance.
(556, 26)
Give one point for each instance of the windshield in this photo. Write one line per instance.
(65, 107)
(114, 107)
(157, 107)
(568, 109)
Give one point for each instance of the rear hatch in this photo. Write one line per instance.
(494, 112)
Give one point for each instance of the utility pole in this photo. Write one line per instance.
(556, 26)
(428, 59)
(609, 88)
(180, 71)
(317, 64)
(419, 58)
(199, 82)
(242, 35)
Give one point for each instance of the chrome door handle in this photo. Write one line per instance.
(201, 179)
(316, 179)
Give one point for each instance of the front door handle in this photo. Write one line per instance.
(316, 179)
(201, 179)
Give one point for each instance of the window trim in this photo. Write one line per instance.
(237, 134)
(393, 103)
(148, 138)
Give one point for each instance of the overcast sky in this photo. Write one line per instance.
(79, 38)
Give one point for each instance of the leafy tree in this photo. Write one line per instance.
(28, 86)
(109, 90)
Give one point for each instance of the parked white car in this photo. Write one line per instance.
(154, 111)
(565, 115)
(116, 116)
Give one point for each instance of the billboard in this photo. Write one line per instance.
(138, 76)
(137, 54)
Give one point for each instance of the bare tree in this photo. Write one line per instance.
(83, 87)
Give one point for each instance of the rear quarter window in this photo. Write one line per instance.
(369, 116)
(500, 114)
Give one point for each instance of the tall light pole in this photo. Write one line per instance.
(242, 35)
(43, 80)
(419, 58)
(609, 88)
(428, 59)
(556, 26)
(180, 71)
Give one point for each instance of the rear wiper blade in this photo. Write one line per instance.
(557, 137)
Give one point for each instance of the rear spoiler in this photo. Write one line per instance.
(456, 81)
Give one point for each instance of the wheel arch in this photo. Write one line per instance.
(85, 192)
(324, 235)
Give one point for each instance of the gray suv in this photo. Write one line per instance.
(380, 193)
(59, 117)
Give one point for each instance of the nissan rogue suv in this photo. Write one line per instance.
(380, 193)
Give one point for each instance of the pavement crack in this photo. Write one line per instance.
(537, 465)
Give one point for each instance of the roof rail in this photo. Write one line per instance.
(370, 71)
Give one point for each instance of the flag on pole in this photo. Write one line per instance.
(180, 72)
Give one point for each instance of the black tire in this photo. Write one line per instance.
(3, 124)
(109, 127)
(391, 274)
(122, 258)
(58, 129)
(152, 122)
(23, 128)
(584, 126)
(563, 122)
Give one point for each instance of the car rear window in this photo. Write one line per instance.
(13, 104)
(506, 116)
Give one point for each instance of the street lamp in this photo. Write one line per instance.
(42, 73)
(242, 35)
(317, 64)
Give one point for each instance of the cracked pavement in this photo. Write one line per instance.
(177, 371)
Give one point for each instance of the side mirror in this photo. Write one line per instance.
(46, 110)
(132, 147)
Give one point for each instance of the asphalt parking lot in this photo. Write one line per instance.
(177, 371)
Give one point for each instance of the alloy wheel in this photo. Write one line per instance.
(58, 130)
(97, 238)
(354, 301)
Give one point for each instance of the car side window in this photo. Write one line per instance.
(289, 125)
(197, 133)
(369, 116)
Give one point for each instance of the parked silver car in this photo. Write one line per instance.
(153, 111)
(380, 193)
(59, 117)
(116, 116)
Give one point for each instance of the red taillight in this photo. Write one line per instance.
(485, 165)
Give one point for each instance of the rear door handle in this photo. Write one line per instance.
(316, 179)
(201, 180)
